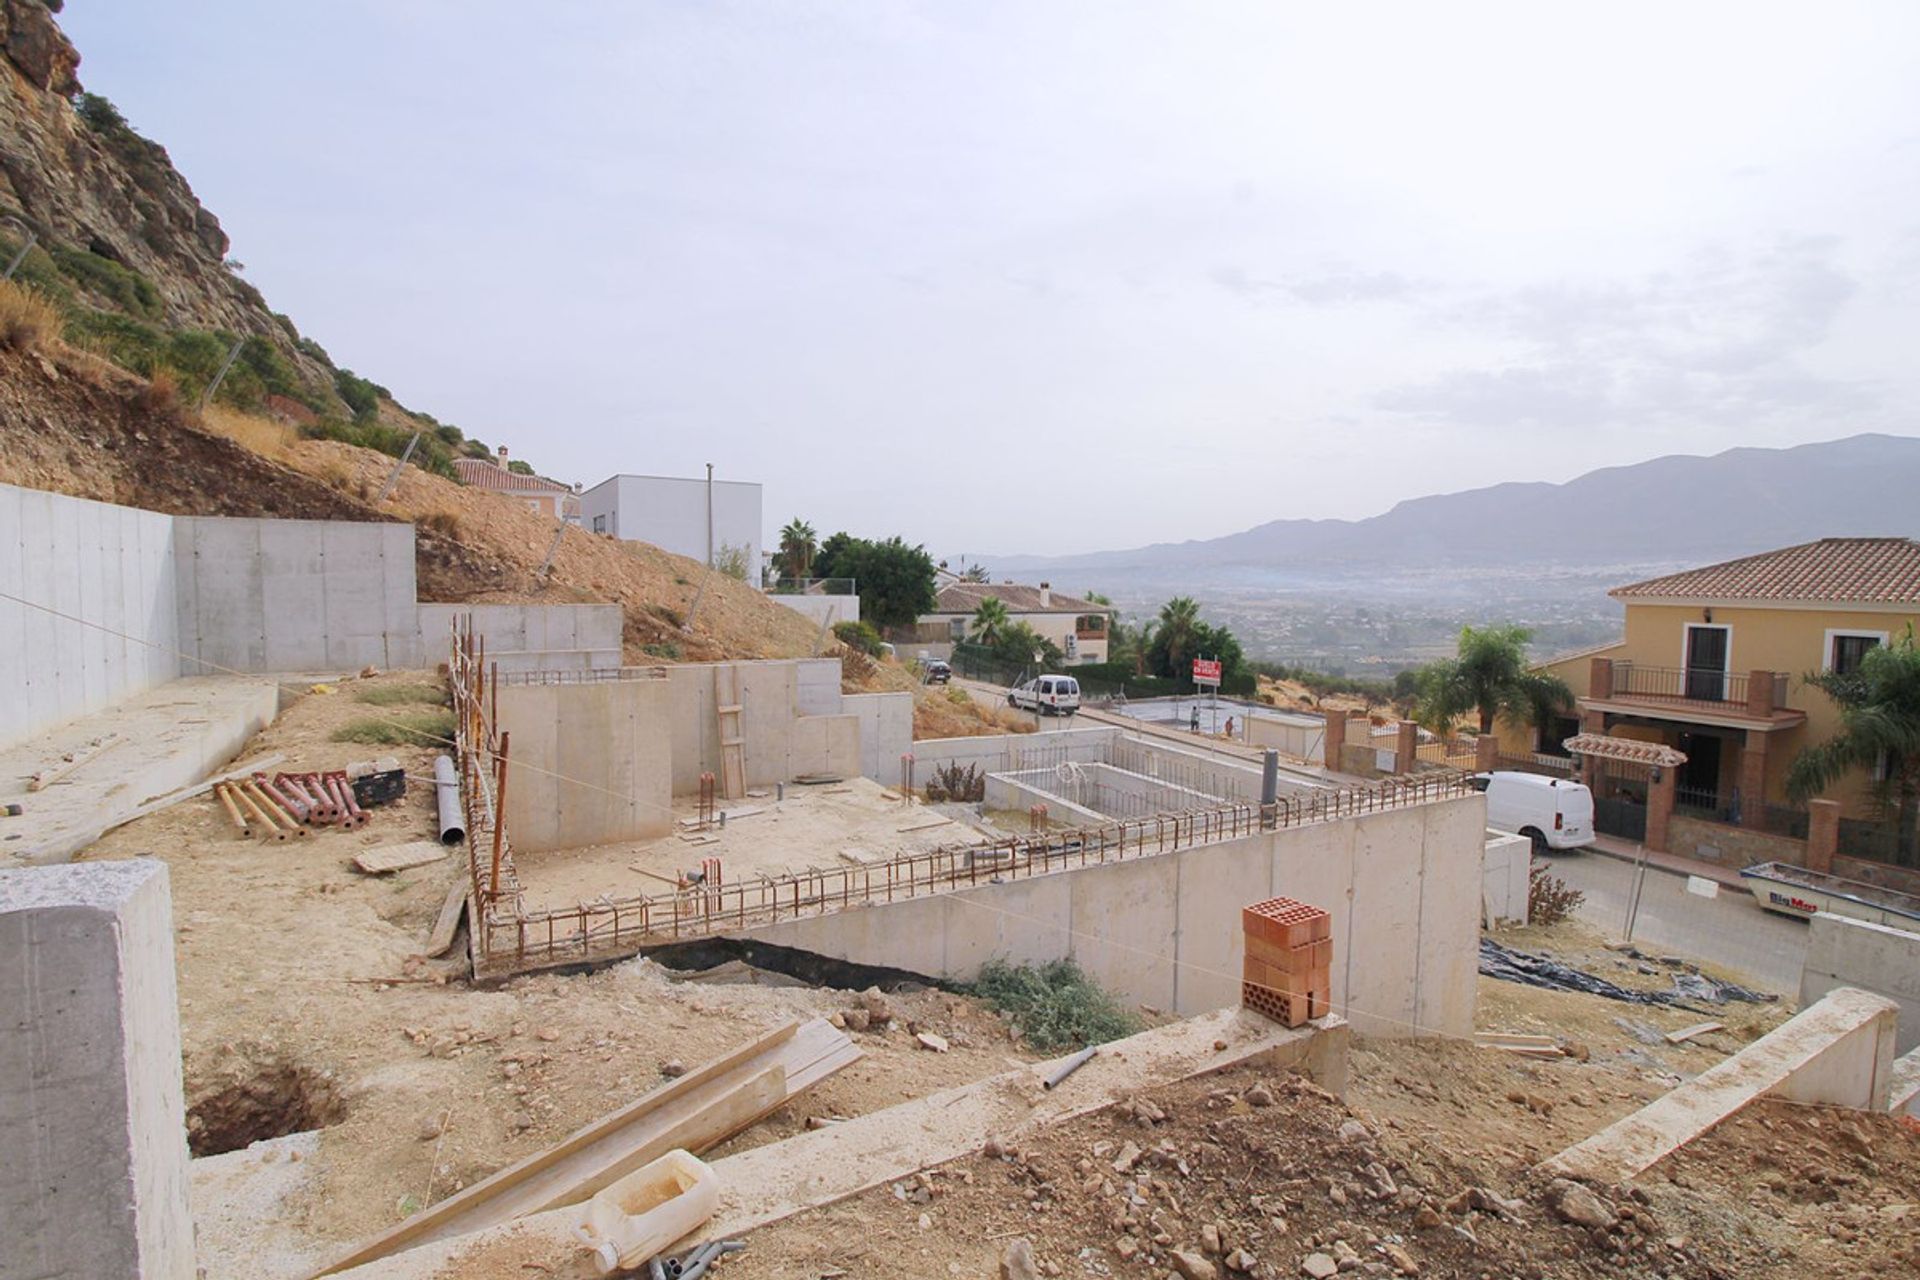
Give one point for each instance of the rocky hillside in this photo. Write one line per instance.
(139, 268)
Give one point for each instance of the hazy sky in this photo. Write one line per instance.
(1048, 277)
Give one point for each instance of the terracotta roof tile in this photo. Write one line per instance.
(1839, 570)
(965, 597)
(1628, 750)
(480, 474)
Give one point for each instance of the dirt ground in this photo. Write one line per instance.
(830, 826)
(1250, 1173)
(303, 1004)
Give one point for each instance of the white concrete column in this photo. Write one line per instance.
(93, 1175)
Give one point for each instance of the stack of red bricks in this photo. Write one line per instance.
(1289, 960)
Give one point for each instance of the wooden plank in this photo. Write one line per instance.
(711, 1098)
(400, 857)
(447, 923)
(1513, 1039)
(80, 759)
(1685, 1034)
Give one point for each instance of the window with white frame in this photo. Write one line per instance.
(1846, 649)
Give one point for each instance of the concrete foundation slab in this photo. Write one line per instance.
(92, 1113)
(1838, 1052)
(159, 741)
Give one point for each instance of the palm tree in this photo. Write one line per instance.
(797, 549)
(1489, 677)
(1177, 629)
(1879, 703)
(990, 621)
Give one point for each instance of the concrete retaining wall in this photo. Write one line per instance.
(1103, 791)
(823, 609)
(589, 764)
(1403, 887)
(1842, 952)
(886, 733)
(777, 700)
(1505, 873)
(112, 566)
(531, 637)
(294, 595)
(1303, 741)
(1006, 752)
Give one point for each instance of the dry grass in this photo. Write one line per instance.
(28, 320)
(263, 436)
(161, 395)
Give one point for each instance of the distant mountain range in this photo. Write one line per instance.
(1673, 510)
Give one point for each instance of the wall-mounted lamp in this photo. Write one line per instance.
(1707, 614)
(1654, 775)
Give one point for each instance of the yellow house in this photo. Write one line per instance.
(1713, 667)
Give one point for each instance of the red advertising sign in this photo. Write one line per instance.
(1206, 671)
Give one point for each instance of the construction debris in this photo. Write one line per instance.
(1509, 965)
(400, 857)
(1685, 1034)
(694, 1112)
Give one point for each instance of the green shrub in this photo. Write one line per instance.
(37, 269)
(361, 396)
(127, 290)
(393, 695)
(403, 729)
(1055, 1005)
(431, 455)
(859, 635)
(664, 649)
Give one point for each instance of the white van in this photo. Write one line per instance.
(1554, 813)
(1047, 695)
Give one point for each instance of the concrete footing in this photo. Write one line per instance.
(1839, 1052)
(92, 1115)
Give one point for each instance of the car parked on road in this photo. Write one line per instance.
(936, 671)
(1554, 813)
(1046, 695)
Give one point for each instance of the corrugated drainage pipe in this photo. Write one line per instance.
(446, 790)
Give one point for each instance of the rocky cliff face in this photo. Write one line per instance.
(89, 183)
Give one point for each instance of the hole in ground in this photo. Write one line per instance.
(278, 1100)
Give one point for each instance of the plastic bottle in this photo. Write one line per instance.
(643, 1213)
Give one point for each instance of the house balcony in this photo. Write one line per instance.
(1740, 700)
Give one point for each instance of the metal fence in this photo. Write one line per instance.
(1690, 684)
(517, 939)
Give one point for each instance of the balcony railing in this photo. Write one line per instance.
(1694, 684)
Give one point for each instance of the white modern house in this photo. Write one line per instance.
(696, 518)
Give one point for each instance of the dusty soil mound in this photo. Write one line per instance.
(1247, 1174)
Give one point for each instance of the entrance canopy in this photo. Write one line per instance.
(1626, 750)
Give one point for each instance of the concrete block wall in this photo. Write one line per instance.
(295, 595)
(1843, 952)
(531, 637)
(92, 1111)
(1402, 886)
(112, 566)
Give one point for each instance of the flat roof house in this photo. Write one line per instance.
(679, 515)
